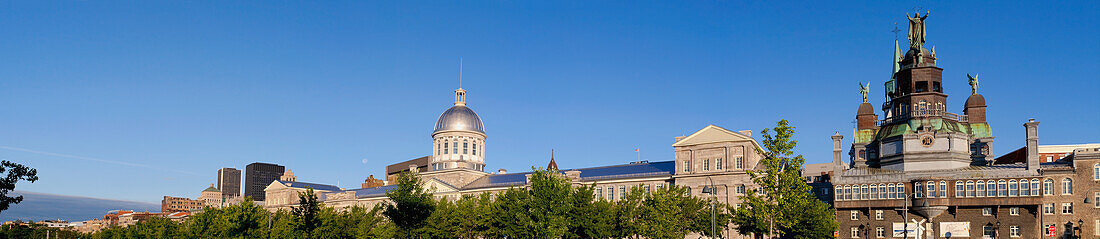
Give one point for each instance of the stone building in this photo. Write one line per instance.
(710, 158)
(921, 171)
(179, 204)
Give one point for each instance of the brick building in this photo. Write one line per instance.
(179, 204)
(923, 170)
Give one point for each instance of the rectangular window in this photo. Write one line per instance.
(855, 215)
(706, 164)
(855, 232)
(622, 192)
(740, 163)
(1067, 208)
(1014, 231)
(1015, 211)
(1096, 200)
(987, 231)
(741, 189)
(880, 232)
(610, 193)
(987, 211)
(599, 193)
(918, 190)
(718, 164)
(878, 214)
(1048, 208)
(646, 188)
(687, 165)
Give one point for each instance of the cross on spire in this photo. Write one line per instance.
(896, 30)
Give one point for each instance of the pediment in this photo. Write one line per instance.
(711, 134)
(438, 186)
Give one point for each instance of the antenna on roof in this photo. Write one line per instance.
(460, 72)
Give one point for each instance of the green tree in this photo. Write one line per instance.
(410, 204)
(306, 213)
(779, 206)
(15, 173)
(589, 218)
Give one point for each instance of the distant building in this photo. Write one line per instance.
(127, 219)
(419, 164)
(371, 182)
(288, 176)
(179, 204)
(229, 181)
(819, 177)
(258, 176)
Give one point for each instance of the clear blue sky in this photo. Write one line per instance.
(136, 100)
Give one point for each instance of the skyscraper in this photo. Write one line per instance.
(258, 176)
(229, 182)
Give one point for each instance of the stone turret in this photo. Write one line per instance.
(1032, 128)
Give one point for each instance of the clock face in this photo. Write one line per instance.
(927, 140)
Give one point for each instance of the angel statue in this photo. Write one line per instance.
(973, 83)
(863, 89)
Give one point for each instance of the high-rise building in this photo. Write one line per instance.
(258, 176)
(229, 181)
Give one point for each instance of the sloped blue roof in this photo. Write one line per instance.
(315, 186)
(633, 170)
(372, 192)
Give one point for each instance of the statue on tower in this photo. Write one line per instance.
(863, 89)
(916, 30)
(973, 83)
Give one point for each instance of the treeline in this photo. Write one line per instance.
(549, 208)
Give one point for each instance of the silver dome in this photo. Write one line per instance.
(459, 118)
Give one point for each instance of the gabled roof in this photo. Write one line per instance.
(714, 134)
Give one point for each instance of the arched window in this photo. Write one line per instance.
(1024, 190)
(970, 188)
(839, 194)
(943, 189)
(864, 195)
(438, 148)
(1012, 190)
(981, 189)
(1096, 172)
(847, 192)
(446, 147)
(1034, 187)
(931, 189)
(990, 188)
(960, 189)
(892, 192)
(1067, 186)
(1001, 186)
(918, 190)
(1048, 187)
(882, 191)
(874, 191)
(475, 148)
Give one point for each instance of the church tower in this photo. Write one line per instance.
(918, 132)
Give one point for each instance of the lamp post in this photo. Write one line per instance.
(714, 194)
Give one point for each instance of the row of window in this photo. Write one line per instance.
(739, 163)
(930, 189)
(611, 194)
(451, 147)
(987, 231)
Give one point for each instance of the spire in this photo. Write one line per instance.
(553, 166)
(897, 58)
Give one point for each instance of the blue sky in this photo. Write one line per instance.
(136, 100)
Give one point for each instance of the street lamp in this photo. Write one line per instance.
(714, 197)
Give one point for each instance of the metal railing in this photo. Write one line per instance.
(924, 113)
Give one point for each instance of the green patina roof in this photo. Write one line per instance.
(976, 130)
(211, 189)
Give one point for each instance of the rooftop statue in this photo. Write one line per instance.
(973, 83)
(916, 30)
(863, 89)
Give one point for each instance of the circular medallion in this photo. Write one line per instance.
(927, 140)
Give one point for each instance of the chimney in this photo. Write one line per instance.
(747, 133)
(502, 171)
(1032, 128)
(838, 163)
